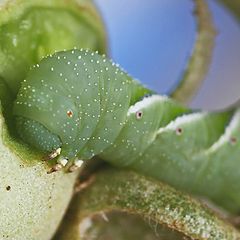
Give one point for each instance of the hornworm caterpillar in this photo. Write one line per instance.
(78, 104)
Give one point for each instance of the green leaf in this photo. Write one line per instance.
(32, 202)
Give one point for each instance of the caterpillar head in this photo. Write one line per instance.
(67, 102)
(47, 105)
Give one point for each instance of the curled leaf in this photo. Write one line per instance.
(199, 62)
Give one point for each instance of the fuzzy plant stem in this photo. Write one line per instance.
(118, 190)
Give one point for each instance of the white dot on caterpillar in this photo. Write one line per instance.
(70, 113)
(139, 114)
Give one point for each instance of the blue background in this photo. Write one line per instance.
(152, 40)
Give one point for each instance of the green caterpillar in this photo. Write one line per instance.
(78, 104)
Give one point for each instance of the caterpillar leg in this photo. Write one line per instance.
(76, 165)
(61, 163)
(53, 154)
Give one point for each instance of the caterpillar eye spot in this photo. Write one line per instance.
(233, 140)
(70, 113)
(179, 131)
(139, 114)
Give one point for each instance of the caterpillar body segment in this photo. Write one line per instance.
(144, 118)
(178, 152)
